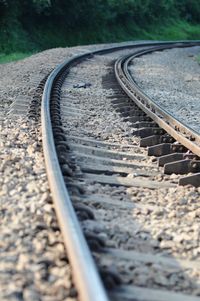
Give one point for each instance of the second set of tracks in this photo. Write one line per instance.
(114, 204)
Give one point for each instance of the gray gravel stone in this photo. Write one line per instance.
(161, 223)
(171, 78)
(33, 262)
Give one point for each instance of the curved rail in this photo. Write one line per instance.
(84, 270)
(177, 129)
(89, 283)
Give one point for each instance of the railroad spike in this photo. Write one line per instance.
(84, 212)
(95, 242)
(59, 136)
(110, 278)
(66, 170)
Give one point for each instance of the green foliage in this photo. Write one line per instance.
(189, 9)
(26, 25)
(198, 59)
(5, 58)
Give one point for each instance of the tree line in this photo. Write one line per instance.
(76, 14)
(88, 12)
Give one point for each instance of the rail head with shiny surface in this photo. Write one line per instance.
(86, 276)
(85, 273)
(177, 129)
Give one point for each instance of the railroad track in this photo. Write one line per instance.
(98, 172)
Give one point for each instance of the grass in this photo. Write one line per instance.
(16, 56)
(198, 59)
(179, 30)
(49, 37)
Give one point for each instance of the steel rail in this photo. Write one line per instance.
(177, 129)
(86, 276)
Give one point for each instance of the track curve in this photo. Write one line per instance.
(85, 273)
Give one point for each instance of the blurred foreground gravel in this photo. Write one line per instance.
(33, 263)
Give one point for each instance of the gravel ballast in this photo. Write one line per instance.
(33, 262)
(171, 78)
(164, 221)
